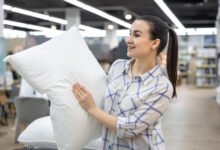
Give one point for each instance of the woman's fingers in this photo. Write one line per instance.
(80, 94)
(76, 94)
(82, 88)
(83, 96)
(77, 86)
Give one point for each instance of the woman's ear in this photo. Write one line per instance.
(155, 44)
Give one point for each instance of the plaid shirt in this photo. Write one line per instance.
(139, 104)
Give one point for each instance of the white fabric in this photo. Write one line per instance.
(39, 134)
(53, 67)
(94, 145)
(26, 90)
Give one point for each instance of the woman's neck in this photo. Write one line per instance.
(142, 65)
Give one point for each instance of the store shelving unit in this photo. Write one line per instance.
(206, 68)
(183, 60)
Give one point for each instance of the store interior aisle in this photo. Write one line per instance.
(193, 121)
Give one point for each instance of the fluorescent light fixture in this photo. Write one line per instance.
(40, 28)
(34, 14)
(93, 34)
(83, 33)
(88, 28)
(99, 13)
(11, 33)
(87, 31)
(7, 7)
(125, 32)
(53, 27)
(169, 13)
(48, 32)
(28, 26)
(196, 31)
(188, 31)
(45, 17)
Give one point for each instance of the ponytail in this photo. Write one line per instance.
(159, 30)
(172, 57)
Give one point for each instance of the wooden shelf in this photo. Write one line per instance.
(206, 76)
(206, 57)
(206, 86)
(207, 66)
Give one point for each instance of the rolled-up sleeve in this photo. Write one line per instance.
(146, 114)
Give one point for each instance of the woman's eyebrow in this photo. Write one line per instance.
(136, 31)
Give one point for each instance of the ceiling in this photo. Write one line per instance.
(191, 13)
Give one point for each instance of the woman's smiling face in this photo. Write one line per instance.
(139, 42)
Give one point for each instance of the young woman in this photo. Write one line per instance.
(138, 92)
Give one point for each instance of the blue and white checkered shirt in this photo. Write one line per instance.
(139, 103)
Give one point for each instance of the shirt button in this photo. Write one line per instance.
(137, 78)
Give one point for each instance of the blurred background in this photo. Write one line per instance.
(192, 122)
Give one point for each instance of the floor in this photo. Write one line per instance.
(192, 122)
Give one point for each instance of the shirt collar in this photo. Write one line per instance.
(128, 65)
(154, 72)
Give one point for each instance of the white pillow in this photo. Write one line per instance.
(53, 67)
(39, 134)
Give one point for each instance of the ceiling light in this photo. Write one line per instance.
(53, 27)
(99, 12)
(88, 28)
(40, 28)
(34, 14)
(128, 16)
(45, 17)
(7, 7)
(110, 27)
(11, 33)
(48, 32)
(28, 26)
(169, 13)
(188, 31)
(196, 31)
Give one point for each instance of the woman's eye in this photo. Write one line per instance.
(136, 35)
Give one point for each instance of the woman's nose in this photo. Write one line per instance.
(129, 40)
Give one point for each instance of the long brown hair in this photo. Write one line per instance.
(160, 30)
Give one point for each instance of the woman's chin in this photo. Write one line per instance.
(130, 54)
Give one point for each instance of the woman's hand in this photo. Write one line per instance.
(87, 103)
(84, 97)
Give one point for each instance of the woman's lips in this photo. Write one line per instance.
(131, 47)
